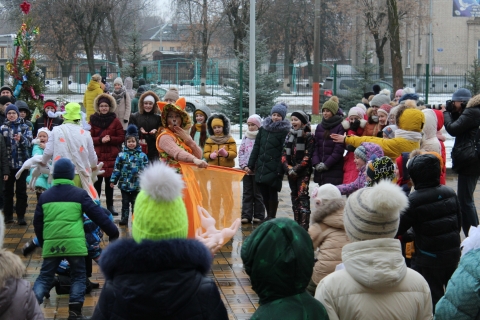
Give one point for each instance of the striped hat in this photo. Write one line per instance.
(374, 212)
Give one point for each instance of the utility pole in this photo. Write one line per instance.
(316, 61)
(251, 78)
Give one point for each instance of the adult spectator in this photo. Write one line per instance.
(4, 102)
(8, 92)
(129, 87)
(134, 101)
(95, 88)
(123, 102)
(462, 118)
(108, 136)
(45, 121)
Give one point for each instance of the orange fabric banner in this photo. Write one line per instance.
(217, 190)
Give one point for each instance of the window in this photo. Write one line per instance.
(172, 49)
(478, 49)
(2, 53)
(409, 46)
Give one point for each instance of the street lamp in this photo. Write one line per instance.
(251, 87)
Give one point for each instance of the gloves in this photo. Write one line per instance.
(213, 155)
(223, 153)
(125, 121)
(292, 173)
(350, 148)
(321, 167)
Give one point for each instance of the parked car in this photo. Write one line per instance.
(192, 103)
(345, 84)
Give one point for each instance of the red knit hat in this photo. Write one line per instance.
(50, 103)
(385, 108)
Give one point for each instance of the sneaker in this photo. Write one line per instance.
(28, 248)
(257, 220)
(245, 220)
(22, 222)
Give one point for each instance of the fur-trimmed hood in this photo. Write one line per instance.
(329, 208)
(125, 257)
(113, 102)
(279, 126)
(11, 266)
(474, 101)
(155, 109)
(346, 123)
(225, 120)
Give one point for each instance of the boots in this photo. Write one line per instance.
(112, 210)
(271, 210)
(124, 220)
(75, 311)
(29, 247)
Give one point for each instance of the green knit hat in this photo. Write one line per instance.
(159, 212)
(332, 105)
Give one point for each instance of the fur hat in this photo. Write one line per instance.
(12, 107)
(172, 94)
(159, 209)
(380, 99)
(331, 105)
(380, 169)
(385, 108)
(203, 109)
(63, 168)
(356, 111)
(255, 119)
(302, 116)
(106, 98)
(118, 81)
(373, 213)
(281, 109)
(215, 118)
(132, 131)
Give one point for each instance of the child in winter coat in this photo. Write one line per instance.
(363, 154)
(328, 155)
(252, 201)
(38, 146)
(45, 120)
(128, 166)
(297, 163)
(199, 132)
(375, 125)
(124, 103)
(327, 233)
(220, 148)
(353, 125)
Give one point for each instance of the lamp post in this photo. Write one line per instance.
(251, 79)
(316, 60)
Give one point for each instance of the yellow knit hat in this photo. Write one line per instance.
(411, 120)
(217, 122)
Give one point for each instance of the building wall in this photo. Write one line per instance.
(152, 45)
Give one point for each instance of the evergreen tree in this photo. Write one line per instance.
(473, 77)
(134, 57)
(266, 88)
(28, 83)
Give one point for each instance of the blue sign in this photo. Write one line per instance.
(466, 8)
(440, 49)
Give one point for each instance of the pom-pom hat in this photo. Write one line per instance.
(131, 132)
(281, 109)
(255, 119)
(331, 105)
(172, 94)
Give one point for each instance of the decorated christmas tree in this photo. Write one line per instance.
(27, 79)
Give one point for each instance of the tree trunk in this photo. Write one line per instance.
(379, 45)
(286, 57)
(90, 57)
(203, 74)
(273, 61)
(309, 67)
(395, 53)
(66, 67)
(116, 44)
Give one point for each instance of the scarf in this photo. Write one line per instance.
(409, 135)
(118, 94)
(295, 142)
(102, 121)
(251, 134)
(331, 122)
(220, 139)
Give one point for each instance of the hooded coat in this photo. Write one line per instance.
(128, 83)
(463, 126)
(93, 90)
(148, 121)
(278, 257)
(429, 140)
(170, 284)
(103, 125)
(266, 157)
(375, 284)
(17, 300)
(230, 145)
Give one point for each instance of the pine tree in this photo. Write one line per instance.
(473, 77)
(134, 57)
(266, 87)
(27, 78)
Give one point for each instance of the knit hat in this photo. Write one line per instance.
(132, 131)
(408, 96)
(118, 81)
(380, 169)
(385, 108)
(104, 100)
(159, 212)
(281, 109)
(410, 119)
(72, 111)
(44, 129)
(6, 88)
(380, 99)
(362, 106)
(255, 119)
(356, 111)
(462, 94)
(12, 107)
(374, 213)
(331, 105)
(217, 122)
(4, 100)
(399, 93)
(204, 110)
(327, 192)
(63, 168)
(361, 153)
(172, 94)
(302, 116)
(50, 103)
(389, 131)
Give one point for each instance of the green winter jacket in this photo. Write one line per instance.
(278, 257)
(266, 156)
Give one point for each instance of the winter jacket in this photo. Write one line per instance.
(103, 125)
(266, 156)
(434, 213)
(42, 180)
(4, 163)
(329, 153)
(93, 90)
(128, 166)
(128, 83)
(58, 220)
(124, 106)
(230, 146)
(328, 237)
(372, 129)
(47, 122)
(464, 127)
(17, 299)
(148, 121)
(18, 152)
(392, 148)
(171, 284)
(462, 299)
(429, 140)
(245, 150)
(279, 260)
(372, 150)
(375, 284)
(301, 163)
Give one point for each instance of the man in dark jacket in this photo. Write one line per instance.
(434, 214)
(461, 121)
(58, 223)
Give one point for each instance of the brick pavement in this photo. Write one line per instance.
(227, 269)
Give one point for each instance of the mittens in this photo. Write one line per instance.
(213, 155)
(222, 152)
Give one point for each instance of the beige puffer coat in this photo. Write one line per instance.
(328, 234)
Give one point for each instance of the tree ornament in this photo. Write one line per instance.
(32, 92)
(18, 88)
(25, 6)
(25, 79)
(41, 96)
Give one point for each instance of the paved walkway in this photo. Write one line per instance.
(227, 270)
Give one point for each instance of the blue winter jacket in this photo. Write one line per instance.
(127, 168)
(18, 151)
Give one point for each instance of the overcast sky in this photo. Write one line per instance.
(163, 6)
